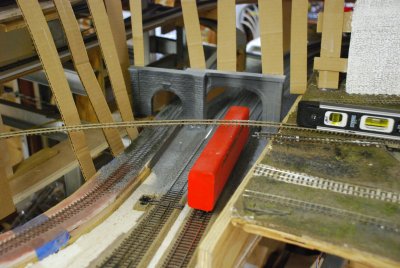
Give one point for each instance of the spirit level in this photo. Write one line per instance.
(367, 121)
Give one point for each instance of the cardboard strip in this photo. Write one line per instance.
(271, 33)
(111, 59)
(331, 42)
(6, 202)
(330, 64)
(48, 54)
(193, 34)
(226, 48)
(298, 48)
(85, 72)
(116, 19)
(347, 18)
(137, 32)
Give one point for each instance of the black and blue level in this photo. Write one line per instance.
(359, 120)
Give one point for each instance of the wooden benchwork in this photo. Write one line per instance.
(24, 185)
(256, 210)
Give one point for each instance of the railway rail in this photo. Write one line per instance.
(184, 247)
(318, 209)
(302, 179)
(133, 249)
(129, 169)
(349, 140)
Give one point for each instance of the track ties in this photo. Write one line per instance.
(318, 209)
(188, 239)
(325, 184)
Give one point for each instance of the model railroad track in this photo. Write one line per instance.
(377, 100)
(188, 239)
(341, 140)
(297, 204)
(306, 180)
(132, 167)
(133, 249)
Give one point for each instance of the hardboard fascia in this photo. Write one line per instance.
(271, 34)
(86, 74)
(226, 36)
(110, 55)
(48, 55)
(137, 32)
(298, 48)
(193, 34)
(331, 41)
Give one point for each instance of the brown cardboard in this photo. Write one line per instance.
(347, 17)
(298, 50)
(330, 64)
(111, 59)
(6, 202)
(271, 34)
(193, 34)
(116, 19)
(226, 39)
(48, 54)
(137, 32)
(85, 72)
(331, 42)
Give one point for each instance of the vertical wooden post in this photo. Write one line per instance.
(271, 34)
(298, 50)
(137, 32)
(331, 42)
(111, 59)
(48, 54)
(226, 36)
(193, 34)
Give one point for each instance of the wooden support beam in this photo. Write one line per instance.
(111, 59)
(271, 34)
(330, 64)
(331, 42)
(193, 34)
(298, 49)
(115, 16)
(86, 74)
(48, 54)
(137, 32)
(347, 18)
(6, 203)
(226, 36)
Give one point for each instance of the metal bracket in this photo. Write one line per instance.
(192, 87)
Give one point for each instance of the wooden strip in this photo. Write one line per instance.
(48, 54)
(330, 64)
(226, 36)
(347, 18)
(331, 42)
(6, 202)
(298, 49)
(137, 32)
(85, 71)
(271, 34)
(115, 16)
(193, 34)
(111, 59)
